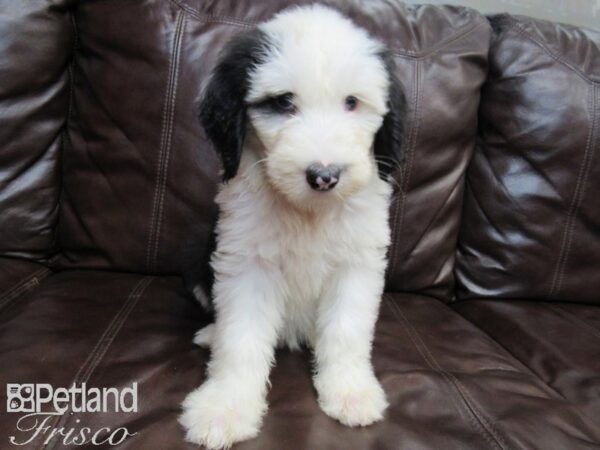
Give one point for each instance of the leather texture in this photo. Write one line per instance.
(531, 223)
(534, 332)
(134, 94)
(107, 181)
(18, 276)
(35, 49)
(449, 385)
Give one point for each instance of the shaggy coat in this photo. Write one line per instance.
(306, 115)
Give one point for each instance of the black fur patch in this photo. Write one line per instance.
(222, 110)
(389, 140)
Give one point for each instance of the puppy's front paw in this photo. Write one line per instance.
(214, 417)
(354, 401)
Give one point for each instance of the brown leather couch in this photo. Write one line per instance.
(489, 335)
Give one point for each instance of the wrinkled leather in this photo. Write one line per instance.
(18, 276)
(449, 385)
(559, 342)
(92, 327)
(135, 89)
(531, 222)
(35, 48)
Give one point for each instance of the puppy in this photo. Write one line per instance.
(306, 115)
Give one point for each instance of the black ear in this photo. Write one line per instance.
(389, 140)
(222, 109)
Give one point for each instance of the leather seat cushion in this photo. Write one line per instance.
(559, 342)
(449, 385)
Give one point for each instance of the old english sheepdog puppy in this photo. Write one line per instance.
(306, 114)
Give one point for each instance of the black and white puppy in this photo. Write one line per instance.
(306, 115)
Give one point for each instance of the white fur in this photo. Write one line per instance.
(294, 265)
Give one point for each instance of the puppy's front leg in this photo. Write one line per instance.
(345, 382)
(230, 405)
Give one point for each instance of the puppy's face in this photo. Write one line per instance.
(319, 96)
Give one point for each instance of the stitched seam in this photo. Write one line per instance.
(117, 325)
(583, 184)
(404, 53)
(110, 332)
(433, 365)
(582, 175)
(70, 67)
(65, 139)
(405, 172)
(476, 417)
(95, 357)
(461, 34)
(590, 157)
(23, 286)
(151, 235)
(522, 32)
(488, 432)
(524, 367)
(164, 150)
(214, 18)
(181, 26)
(150, 243)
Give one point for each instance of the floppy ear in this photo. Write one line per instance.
(389, 140)
(222, 109)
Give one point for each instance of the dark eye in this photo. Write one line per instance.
(279, 104)
(351, 103)
(284, 103)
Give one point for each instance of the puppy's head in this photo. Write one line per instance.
(320, 96)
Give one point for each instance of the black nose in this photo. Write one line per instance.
(322, 178)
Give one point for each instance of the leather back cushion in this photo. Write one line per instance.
(531, 226)
(35, 47)
(140, 176)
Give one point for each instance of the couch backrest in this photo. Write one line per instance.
(35, 47)
(531, 225)
(139, 176)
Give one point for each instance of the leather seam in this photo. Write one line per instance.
(523, 32)
(524, 368)
(560, 396)
(94, 358)
(181, 27)
(469, 405)
(167, 121)
(460, 34)
(404, 53)
(66, 136)
(208, 18)
(591, 137)
(116, 326)
(150, 244)
(22, 286)
(582, 176)
(71, 70)
(405, 173)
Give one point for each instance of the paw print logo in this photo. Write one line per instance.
(19, 398)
